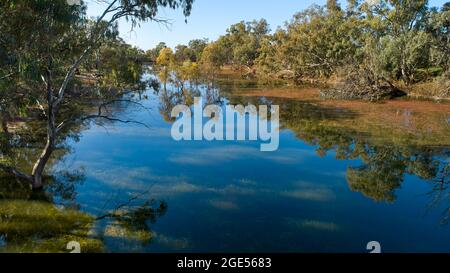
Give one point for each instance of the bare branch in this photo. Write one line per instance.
(121, 12)
(115, 213)
(114, 120)
(85, 53)
(100, 115)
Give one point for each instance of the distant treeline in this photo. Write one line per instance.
(378, 42)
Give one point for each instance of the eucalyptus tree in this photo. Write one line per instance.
(397, 43)
(120, 64)
(315, 43)
(245, 40)
(272, 59)
(46, 33)
(166, 61)
(184, 53)
(153, 53)
(39, 37)
(214, 57)
(197, 46)
(439, 28)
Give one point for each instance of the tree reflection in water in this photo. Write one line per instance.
(384, 163)
(47, 221)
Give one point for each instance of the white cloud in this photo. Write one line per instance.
(219, 155)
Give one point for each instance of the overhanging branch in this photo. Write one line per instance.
(101, 115)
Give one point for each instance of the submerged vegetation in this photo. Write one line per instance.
(34, 226)
(41, 226)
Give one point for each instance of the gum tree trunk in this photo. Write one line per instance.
(41, 162)
(39, 166)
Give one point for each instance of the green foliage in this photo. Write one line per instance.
(120, 64)
(188, 71)
(153, 53)
(439, 27)
(184, 53)
(33, 226)
(197, 46)
(381, 42)
(397, 43)
(42, 227)
(240, 47)
(178, 66)
(165, 61)
(213, 57)
(315, 43)
(47, 44)
(245, 39)
(48, 50)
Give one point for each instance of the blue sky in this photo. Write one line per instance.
(210, 19)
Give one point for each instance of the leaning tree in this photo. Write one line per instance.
(46, 42)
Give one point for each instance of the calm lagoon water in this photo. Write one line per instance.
(328, 188)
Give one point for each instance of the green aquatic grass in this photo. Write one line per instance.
(35, 226)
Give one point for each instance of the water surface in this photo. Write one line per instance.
(345, 174)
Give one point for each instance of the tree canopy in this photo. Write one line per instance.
(376, 43)
(48, 44)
